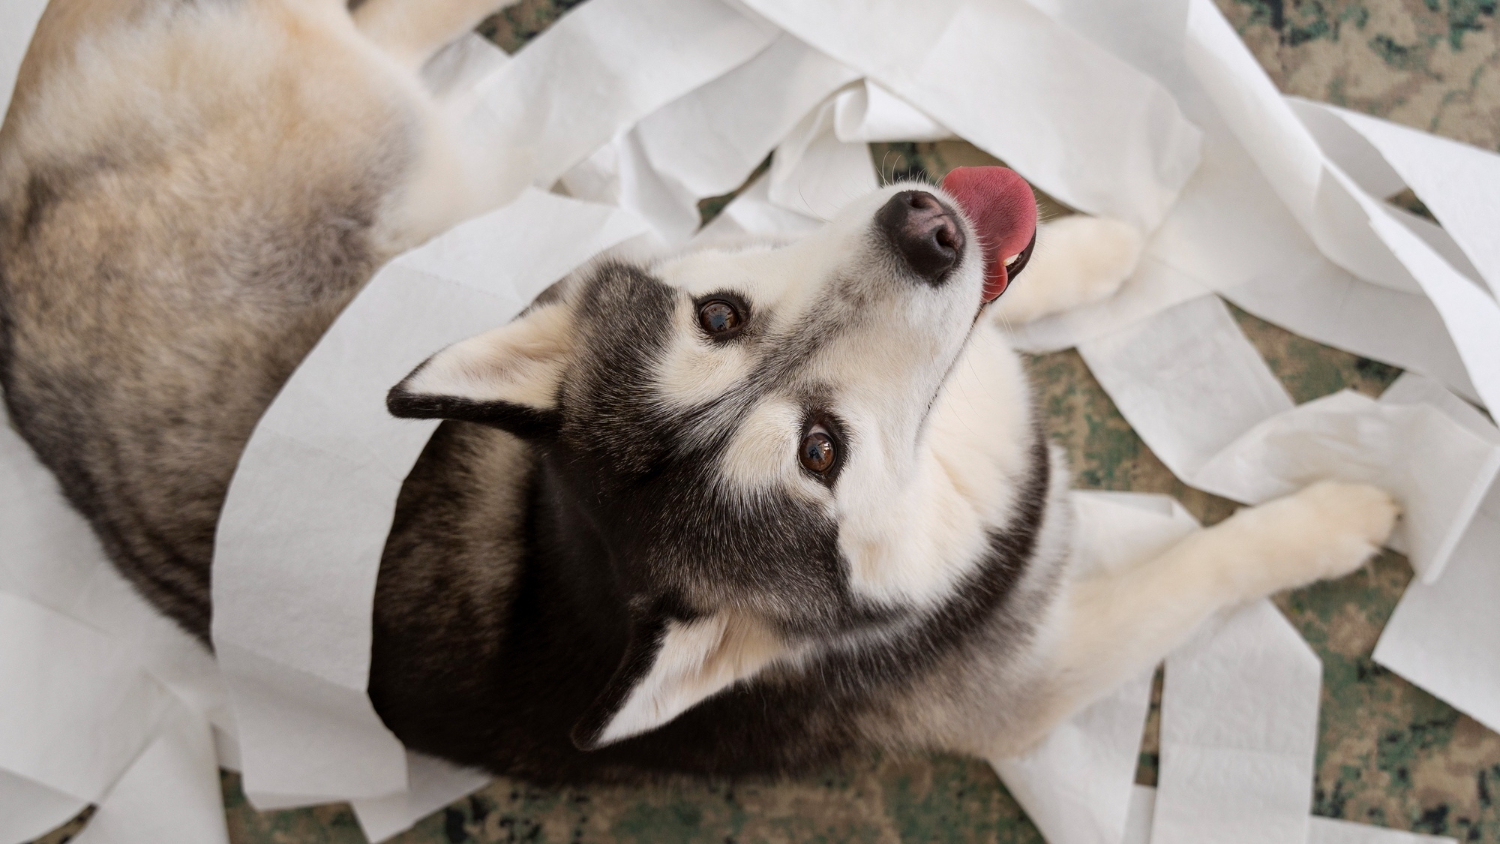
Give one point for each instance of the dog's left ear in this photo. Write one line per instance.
(672, 665)
(507, 378)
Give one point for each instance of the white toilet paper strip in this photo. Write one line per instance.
(52, 558)
(1281, 146)
(1442, 635)
(1239, 732)
(1188, 381)
(603, 67)
(707, 142)
(176, 660)
(30, 810)
(1457, 182)
(751, 213)
(169, 795)
(711, 139)
(1083, 125)
(1232, 232)
(434, 784)
(814, 173)
(618, 173)
(302, 530)
(1470, 313)
(1076, 786)
(75, 708)
(1327, 304)
(869, 113)
(1352, 228)
(456, 71)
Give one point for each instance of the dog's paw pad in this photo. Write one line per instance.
(1353, 521)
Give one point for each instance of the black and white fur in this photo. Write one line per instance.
(612, 563)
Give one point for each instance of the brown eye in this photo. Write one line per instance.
(719, 317)
(817, 451)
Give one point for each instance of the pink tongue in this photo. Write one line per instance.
(1003, 210)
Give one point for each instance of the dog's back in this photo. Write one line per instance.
(189, 193)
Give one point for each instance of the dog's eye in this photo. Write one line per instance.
(719, 317)
(817, 451)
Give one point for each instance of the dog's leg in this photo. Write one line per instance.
(1078, 260)
(413, 31)
(1118, 624)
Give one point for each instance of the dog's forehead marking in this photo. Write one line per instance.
(694, 370)
(761, 455)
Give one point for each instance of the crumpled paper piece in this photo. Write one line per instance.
(1443, 635)
(1199, 394)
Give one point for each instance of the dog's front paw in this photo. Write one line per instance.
(1101, 254)
(1335, 527)
(1079, 260)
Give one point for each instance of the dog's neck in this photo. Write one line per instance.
(580, 573)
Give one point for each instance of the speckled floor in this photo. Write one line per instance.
(1389, 753)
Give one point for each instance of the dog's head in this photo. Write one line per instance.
(742, 429)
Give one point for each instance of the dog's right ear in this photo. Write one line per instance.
(507, 378)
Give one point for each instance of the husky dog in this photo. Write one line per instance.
(742, 509)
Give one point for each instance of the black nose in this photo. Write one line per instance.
(924, 232)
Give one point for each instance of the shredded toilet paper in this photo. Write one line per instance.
(61, 674)
(1239, 732)
(169, 794)
(1120, 147)
(1198, 393)
(623, 116)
